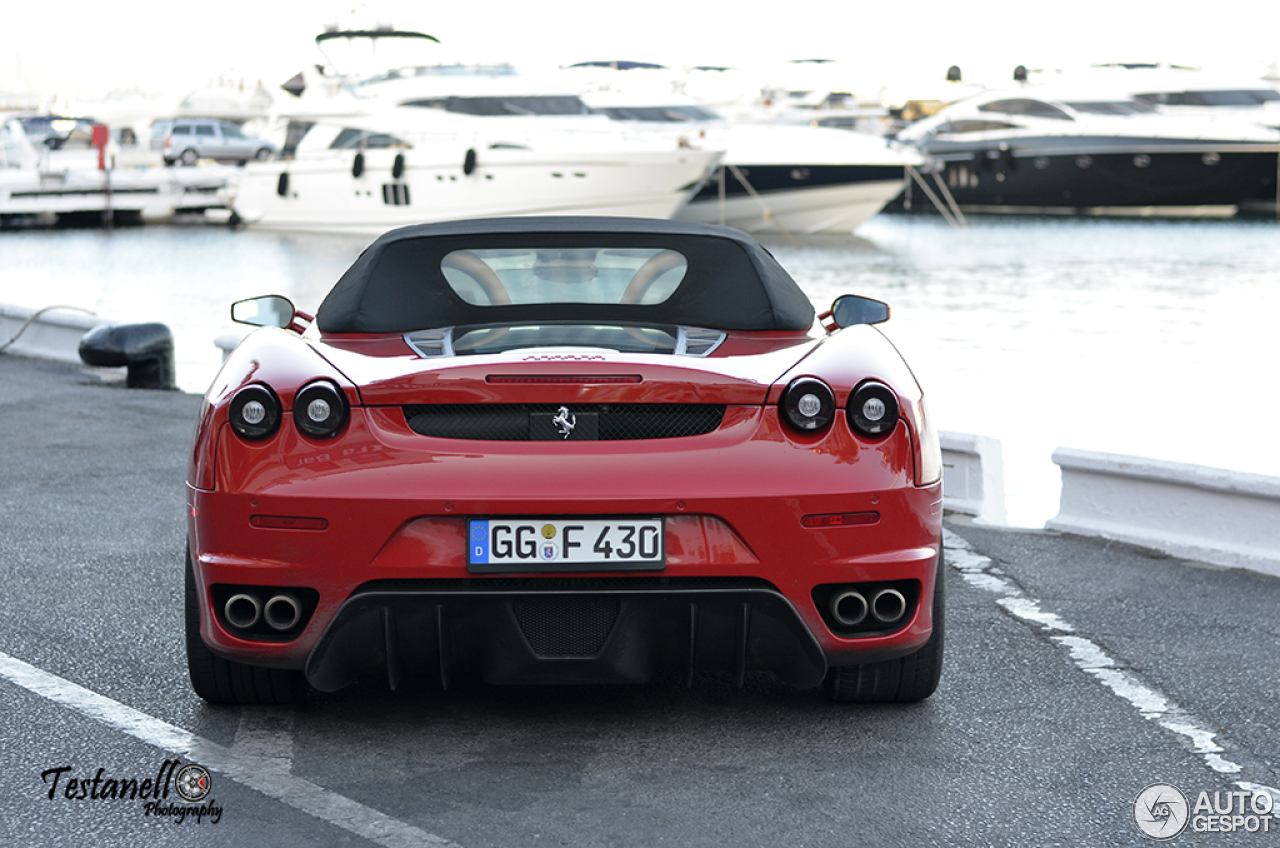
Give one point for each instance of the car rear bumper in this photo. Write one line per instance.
(564, 633)
(714, 607)
(379, 531)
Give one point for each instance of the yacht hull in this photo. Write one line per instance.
(1108, 177)
(837, 208)
(329, 192)
(148, 195)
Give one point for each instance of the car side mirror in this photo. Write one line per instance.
(851, 309)
(269, 311)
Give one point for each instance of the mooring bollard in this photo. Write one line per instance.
(146, 350)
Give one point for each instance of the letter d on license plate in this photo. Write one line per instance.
(566, 544)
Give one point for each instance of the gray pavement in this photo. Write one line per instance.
(1030, 740)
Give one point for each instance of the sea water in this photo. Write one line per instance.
(1152, 338)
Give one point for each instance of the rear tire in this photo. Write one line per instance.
(188, 157)
(222, 681)
(910, 678)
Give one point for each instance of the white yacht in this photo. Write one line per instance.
(789, 177)
(1192, 92)
(366, 153)
(801, 179)
(367, 173)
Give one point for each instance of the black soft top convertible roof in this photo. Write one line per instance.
(397, 285)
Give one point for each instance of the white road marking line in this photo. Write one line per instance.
(268, 735)
(261, 774)
(1029, 610)
(1089, 658)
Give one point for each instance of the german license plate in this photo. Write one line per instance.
(566, 544)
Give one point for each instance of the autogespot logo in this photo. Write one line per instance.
(1161, 811)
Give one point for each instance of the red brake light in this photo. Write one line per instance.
(563, 378)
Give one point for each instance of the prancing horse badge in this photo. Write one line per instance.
(565, 421)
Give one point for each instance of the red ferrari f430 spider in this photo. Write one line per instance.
(564, 450)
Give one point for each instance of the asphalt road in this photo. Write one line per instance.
(1078, 672)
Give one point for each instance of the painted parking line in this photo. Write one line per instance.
(978, 571)
(266, 734)
(261, 773)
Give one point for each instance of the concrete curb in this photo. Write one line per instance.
(973, 476)
(1228, 518)
(53, 332)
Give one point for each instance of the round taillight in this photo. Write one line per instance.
(808, 404)
(254, 412)
(872, 410)
(320, 410)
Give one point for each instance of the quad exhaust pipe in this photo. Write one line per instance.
(888, 605)
(281, 612)
(851, 607)
(242, 611)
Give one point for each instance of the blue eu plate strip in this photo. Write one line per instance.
(479, 541)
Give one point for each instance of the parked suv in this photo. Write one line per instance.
(187, 140)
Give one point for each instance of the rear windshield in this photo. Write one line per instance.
(627, 339)
(592, 275)
(584, 270)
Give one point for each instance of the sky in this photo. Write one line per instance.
(85, 50)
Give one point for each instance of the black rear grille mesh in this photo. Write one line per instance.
(566, 627)
(516, 422)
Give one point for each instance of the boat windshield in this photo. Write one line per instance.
(1025, 106)
(1240, 97)
(660, 114)
(515, 105)
(357, 139)
(592, 275)
(1113, 107)
(454, 70)
(973, 126)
